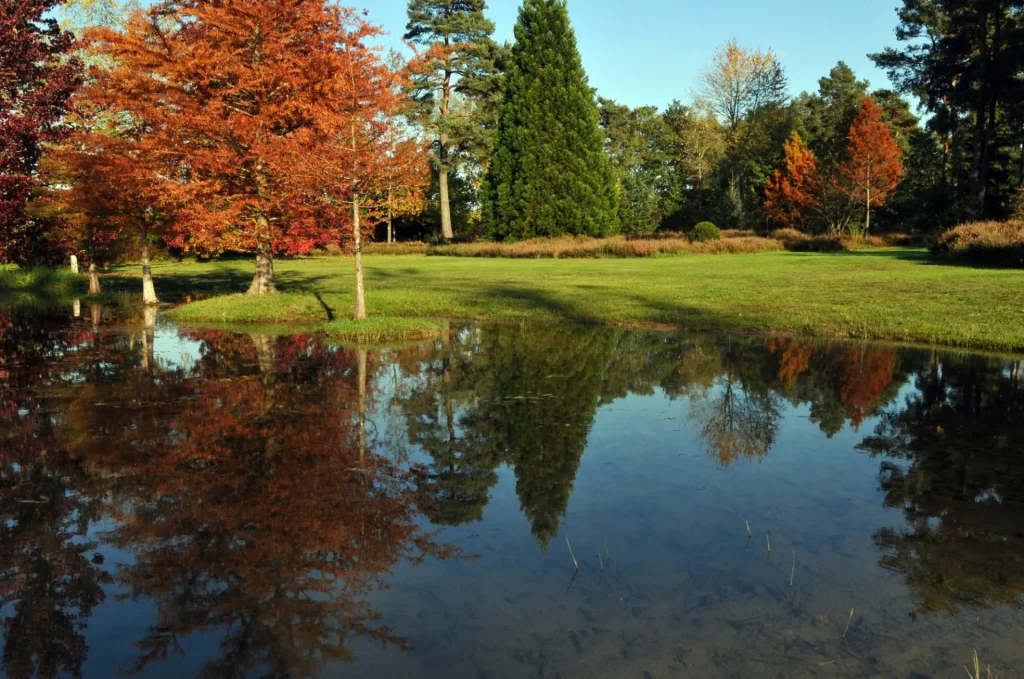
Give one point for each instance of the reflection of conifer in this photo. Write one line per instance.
(963, 491)
(539, 394)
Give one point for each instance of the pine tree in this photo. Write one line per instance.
(462, 60)
(550, 175)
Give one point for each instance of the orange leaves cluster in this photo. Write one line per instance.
(247, 113)
(799, 192)
(792, 194)
(873, 168)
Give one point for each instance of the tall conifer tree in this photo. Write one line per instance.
(550, 175)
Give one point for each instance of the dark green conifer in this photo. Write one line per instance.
(550, 175)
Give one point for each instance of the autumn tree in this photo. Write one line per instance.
(739, 84)
(792, 195)
(366, 156)
(872, 170)
(461, 59)
(38, 75)
(221, 112)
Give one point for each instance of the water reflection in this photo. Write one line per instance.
(267, 491)
(951, 462)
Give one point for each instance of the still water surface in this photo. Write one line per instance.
(177, 503)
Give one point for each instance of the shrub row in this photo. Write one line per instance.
(592, 248)
(996, 243)
(731, 242)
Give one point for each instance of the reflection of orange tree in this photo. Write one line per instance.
(843, 382)
(865, 374)
(49, 581)
(254, 513)
(794, 358)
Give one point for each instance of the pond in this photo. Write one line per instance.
(504, 501)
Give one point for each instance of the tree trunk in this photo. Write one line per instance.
(360, 290)
(442, 157)
(94, 279)
(867, 213)
(149, 297)
(390, 216)
(263, 280)
(446, 208)
(74, 265)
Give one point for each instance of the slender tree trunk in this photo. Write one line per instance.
(867, 213)
(74, 265)
(442, 157)
(76, 308)
(360, 289)
(149, 298)
(263, 280)
(390, 218)
(446, 208)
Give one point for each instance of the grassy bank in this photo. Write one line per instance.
(40, 282)
(894, 294)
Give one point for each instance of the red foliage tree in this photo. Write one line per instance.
(222, 90)
(873, 169)
(792, 195)
(37, 78)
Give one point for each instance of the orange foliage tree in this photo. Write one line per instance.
(365, 153)
(109, 191)
(793, 191)
(222, 89)
(873, 169)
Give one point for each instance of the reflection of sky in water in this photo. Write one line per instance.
(173, 349)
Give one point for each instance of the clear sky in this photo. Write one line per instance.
(641, 52)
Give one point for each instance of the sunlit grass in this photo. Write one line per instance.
(894, 294)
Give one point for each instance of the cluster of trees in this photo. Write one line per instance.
(276, 128)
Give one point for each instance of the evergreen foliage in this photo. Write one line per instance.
(550, 175)
(704, 232)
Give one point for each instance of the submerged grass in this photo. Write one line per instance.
(891, 294)
(383, 329)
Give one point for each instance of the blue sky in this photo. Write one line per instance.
(642, 52)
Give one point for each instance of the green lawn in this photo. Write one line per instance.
(895, 294)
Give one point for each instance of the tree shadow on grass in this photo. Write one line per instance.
(175, 286)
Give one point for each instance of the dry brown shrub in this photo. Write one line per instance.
(997, 243)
